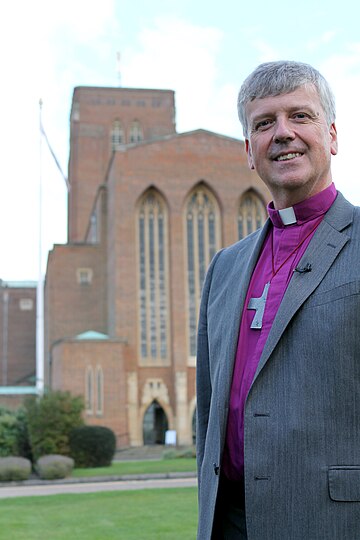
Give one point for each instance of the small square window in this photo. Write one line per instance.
(26, 304)
(84, 276)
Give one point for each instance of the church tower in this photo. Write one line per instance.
(103, 121)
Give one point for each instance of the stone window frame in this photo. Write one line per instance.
(136, 132)
(152, 247)
(117, 135)
(251, 213)
(202, 241)
(84, 276)
(89, 390)
(99, 391)
(26, 304)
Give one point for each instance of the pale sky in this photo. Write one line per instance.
(201, 52)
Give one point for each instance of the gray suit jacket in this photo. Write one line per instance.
(302, 414)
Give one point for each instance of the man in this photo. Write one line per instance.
(278, 365)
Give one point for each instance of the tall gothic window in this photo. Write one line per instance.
(93, 233)
(203, 240)
(252, 214)
(136, 132)
(99, 390)
(89, 390)
(117, 135)
(153, 280)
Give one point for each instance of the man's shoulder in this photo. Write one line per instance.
(243, 244)
(241, 247)
(342, 213)
(229, 260)
(356, 220)
(356, 209)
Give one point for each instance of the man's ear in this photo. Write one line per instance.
(249, 154)
(333, 140)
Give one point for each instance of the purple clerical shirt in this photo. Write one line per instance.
(282, 250)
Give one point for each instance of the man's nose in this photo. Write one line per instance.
(283, 130)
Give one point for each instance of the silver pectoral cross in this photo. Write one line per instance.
(259, 305)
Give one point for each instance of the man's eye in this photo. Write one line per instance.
(263, 124)
(300, 116)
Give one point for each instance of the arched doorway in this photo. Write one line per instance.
(155, 424)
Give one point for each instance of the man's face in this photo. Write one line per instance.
(290, 144)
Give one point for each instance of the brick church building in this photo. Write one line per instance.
(148, 209)
(17, 341)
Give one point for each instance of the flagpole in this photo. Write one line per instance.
(40, 355)
(40, 283)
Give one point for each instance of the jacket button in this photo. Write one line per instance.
(216, 469)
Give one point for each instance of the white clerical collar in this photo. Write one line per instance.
(287, 216)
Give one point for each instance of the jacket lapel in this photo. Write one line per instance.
(235, 297)
(325, 246)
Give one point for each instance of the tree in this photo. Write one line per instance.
(50, 420)
(8, 433)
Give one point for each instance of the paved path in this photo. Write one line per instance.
(92, 487)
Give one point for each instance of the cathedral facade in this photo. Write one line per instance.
(148, 209)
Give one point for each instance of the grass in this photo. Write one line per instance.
(119, 468)
(151, 514)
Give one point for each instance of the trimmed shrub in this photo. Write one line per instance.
(23, 443)
(50, 420)
(54, 467)
(187, 452)
(8, 432)
(92, 446)
(14, 468)
(173, 453)
(14, 438)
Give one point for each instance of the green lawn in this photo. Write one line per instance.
(119, 468)
(156, 514)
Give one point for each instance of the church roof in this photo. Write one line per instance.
(18, 284)
(91, 335)
(184, 134)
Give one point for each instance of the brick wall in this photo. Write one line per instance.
(73, 307)
(71, 358)
(17, 335)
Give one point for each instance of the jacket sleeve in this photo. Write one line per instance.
(203, 379)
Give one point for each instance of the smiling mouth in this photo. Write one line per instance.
(289, 156)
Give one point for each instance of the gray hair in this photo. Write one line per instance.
(283, 77)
